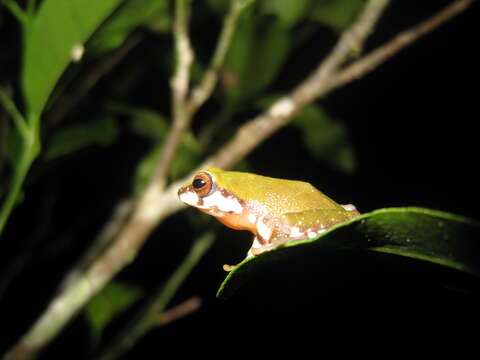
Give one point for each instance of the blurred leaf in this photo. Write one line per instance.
(337, 14)
(240, 50)
(255, 57)
(109, 303)
(102, 131)
(13, 148)
(143, 121)
(219, 6)
(155, 127)
(145, 169)
(438, 237)
(325, 138)
(124, 20)
(55, 36)
(289, 12)
(160, 20)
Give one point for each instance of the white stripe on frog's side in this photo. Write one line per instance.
(263, 230)
(223, 203)
(295, 232)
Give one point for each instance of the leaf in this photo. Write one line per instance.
(219, 6)
(338, 14)
(109, 303)
(325, 138)
(58, 30)
(143, 121)
(126, 18)
(102, 131)
(289, 12)
(429, 235)
(256, 56)
(13, 148)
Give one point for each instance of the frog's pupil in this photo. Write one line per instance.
(199, 183)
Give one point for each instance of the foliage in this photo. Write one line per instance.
(434, 236)
(109, 303)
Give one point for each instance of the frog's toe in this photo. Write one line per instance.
(229, 268)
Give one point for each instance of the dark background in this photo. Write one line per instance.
(413, 124)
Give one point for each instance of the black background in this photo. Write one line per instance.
(413, 125)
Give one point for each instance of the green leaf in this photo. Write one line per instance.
(429, 235)
(289, 12)
(219, 6)
(58, 29)
(256, 56)
(145, 169)
(109, 303)
(126, 18)
(325, 138)
(338, 14)
(143, 122)
(13, 148)
(102, 131)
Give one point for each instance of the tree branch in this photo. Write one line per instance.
(179, 84)
(156, 204)
(203, 91)
(375, 58)
(184, 106)
(284, 109)
(149, 315)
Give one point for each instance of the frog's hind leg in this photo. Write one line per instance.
(258, 247)
(251, 252)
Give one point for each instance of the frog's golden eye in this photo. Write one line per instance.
(203, 184)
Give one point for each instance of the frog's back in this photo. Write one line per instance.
(278, 195)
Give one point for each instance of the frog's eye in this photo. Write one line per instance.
(203, 184)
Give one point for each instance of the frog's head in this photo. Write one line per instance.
(207, 193)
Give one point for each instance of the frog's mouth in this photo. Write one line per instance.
(219, 203)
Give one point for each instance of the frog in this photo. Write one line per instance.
(276, 211)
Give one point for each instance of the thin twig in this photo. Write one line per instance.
(185, 105)
(148, 317)
(284, 109)
(179, 84)
(16, 11)
(179, 311)
(203, 91)
(157, 205)
(14, 113)
(88, 81)
(372, 60)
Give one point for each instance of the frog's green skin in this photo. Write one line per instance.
(276, 211)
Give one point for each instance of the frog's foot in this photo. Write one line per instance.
(259, 246)
(229, 268)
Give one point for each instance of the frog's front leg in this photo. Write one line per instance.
(262, 240)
